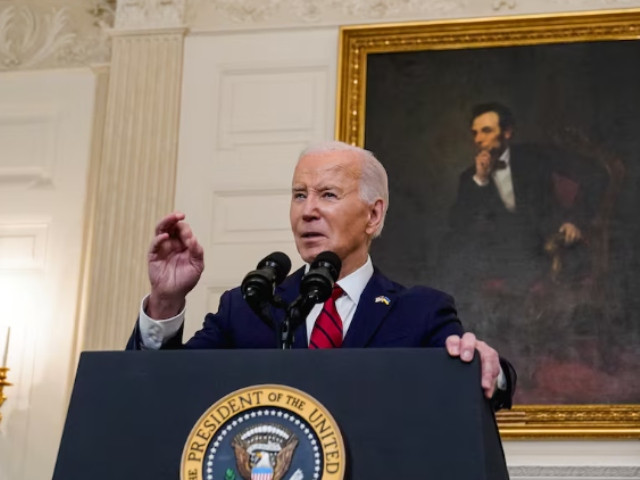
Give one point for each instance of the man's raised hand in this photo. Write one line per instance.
(176, 262)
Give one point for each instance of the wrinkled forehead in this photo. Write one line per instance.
(327, 167)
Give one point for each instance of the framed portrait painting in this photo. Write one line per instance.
(513, 152)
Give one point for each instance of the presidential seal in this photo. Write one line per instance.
(265, 432)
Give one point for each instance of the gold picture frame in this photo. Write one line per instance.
(358, 43)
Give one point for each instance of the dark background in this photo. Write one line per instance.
(417, 123)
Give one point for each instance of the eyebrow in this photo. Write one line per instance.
(297, 188)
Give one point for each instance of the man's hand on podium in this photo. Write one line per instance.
(465, 346)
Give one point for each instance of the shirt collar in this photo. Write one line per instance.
(354, 283)
(506, 156)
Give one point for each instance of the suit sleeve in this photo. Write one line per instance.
(213, 334)
(442, 319)
(504, 398)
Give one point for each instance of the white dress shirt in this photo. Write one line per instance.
(502, 179)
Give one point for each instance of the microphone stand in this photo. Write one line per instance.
(296, 314)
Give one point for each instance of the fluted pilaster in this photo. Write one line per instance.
(136, 178)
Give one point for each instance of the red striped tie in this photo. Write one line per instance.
(327, 331)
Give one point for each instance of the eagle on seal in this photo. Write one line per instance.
(264, 451)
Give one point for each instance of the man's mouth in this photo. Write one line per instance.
(311, 235)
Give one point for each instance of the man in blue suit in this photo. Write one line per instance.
(339, 202)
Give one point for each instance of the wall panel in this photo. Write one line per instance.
(45, 132)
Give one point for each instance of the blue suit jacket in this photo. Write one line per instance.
(414, 317)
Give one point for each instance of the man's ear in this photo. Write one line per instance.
(376, 211)
(508, 133)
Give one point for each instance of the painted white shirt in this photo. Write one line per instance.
(503, 182)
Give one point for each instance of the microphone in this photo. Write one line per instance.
(258, 285)
(315, 287)
(317, 283)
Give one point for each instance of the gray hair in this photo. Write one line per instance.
(374, 183)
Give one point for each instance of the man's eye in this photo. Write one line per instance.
(329, 195)
(297, 195)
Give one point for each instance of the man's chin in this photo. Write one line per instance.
(308, 254)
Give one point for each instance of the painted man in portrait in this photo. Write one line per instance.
(506, 206)
(516, 205)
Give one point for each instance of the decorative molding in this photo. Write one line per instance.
(499, 4)
(595, 4)
(28, 137)
(60, 34)
(237, 222)
(22, 246)
(270, 103)
(224, 15)
(149, 14)
(573, 472)
(260, 12)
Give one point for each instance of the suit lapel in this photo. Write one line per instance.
(369, 313)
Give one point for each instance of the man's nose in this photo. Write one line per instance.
(310, 207)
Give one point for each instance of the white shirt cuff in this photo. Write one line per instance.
(501, 381)
(480, 183)
(154, 333)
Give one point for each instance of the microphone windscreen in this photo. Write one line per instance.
(280, 263)
(330, 261)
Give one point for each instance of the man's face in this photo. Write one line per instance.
(487, 134)
(327, 212)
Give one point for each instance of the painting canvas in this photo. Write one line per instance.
(563, 308)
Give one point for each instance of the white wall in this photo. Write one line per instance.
(45, 130)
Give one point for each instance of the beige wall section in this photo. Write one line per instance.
(45, 133)
(136, 179)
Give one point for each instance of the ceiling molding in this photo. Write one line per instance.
(54, 34)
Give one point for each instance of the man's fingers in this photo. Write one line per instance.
(169, 222)
(157, 242)
(171, 234)
(488, 390)
(574, 235)
(571, 233)
(462, 347)
(182, 231)
(490, 366)
(453, 345)
(467, 346)
(196, 250)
